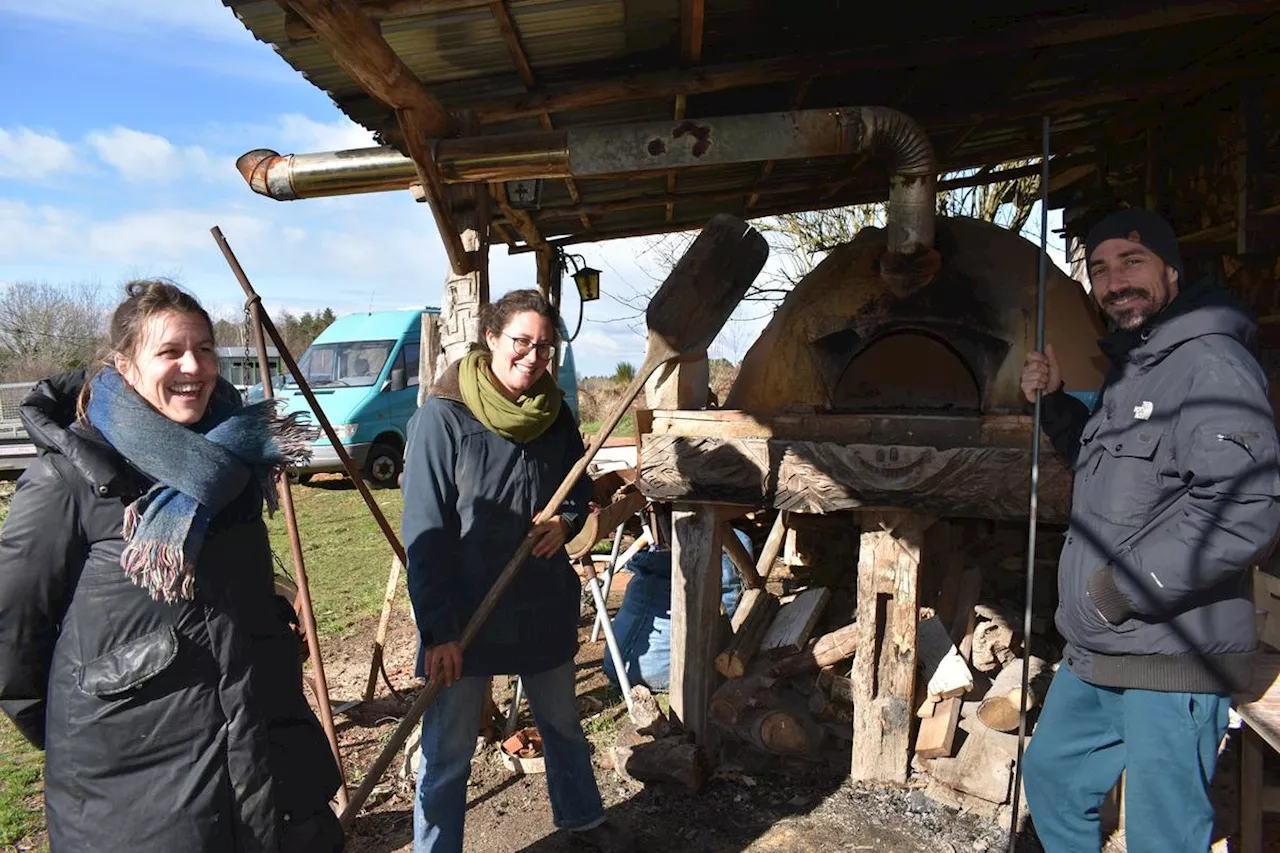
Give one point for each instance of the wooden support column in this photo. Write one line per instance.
(464, 294)
(884, 670)
(695, 614)
(679, 385)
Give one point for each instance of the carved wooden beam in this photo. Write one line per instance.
(1024, 36)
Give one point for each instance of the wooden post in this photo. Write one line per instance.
(884, 669)
(465, 293)
(695, 611)
(679, 385)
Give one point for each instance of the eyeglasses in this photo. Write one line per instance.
(522, 346)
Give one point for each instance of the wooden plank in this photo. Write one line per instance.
(937, 734)
(946, 674)
(772, 545)
(981, 768)
(741, 559)
(695, 611)
(884, 670)
(794, 623)
(750, 621)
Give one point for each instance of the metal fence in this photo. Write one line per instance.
(11, 395)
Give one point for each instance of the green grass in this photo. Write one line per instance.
(21, 782)
(625, 427)
(346, 556)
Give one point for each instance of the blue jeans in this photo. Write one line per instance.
(1167, 743)
(449, 730)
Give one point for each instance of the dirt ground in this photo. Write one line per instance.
(746, 808)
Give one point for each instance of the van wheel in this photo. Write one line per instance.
(382, 467)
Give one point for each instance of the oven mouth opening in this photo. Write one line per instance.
(908, 372)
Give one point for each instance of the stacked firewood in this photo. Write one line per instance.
(788, 690)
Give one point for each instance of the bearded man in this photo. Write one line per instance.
(1176, 495)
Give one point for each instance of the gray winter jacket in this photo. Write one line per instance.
(1177, 494)
(470, 496)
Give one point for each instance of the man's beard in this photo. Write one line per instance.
(1135, 315)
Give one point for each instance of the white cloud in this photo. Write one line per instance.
(28, 231)
(300, 134)
(28, 155)
(209, 19)
(139, 156)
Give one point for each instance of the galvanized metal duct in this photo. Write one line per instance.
(621, 149)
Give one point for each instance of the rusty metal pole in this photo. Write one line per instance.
(347, 462)
(291, 524)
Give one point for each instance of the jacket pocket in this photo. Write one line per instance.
(130, 665)
(1127, 486)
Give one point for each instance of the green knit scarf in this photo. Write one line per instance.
(521, 421)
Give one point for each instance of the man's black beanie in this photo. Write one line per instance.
(1140, 226)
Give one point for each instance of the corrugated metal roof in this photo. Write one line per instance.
(979, 107)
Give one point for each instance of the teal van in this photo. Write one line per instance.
(363, 370)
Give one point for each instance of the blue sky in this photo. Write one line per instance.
(119, 129)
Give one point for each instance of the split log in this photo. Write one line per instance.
(755, 613)
(980, 769)
(1000, 708)
(937, 734)
(794, 622)
(772, 545)
(945, 672)
(821, 706)
(741, 559)
(827, 650)
(738, 697)
(776, 731)
(674, 759)
(993, 645)
(838, 687)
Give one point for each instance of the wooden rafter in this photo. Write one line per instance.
(766, 168)
(297, 28)
(515, 45)
(1026, 35)
(519, 219)
(692, 23)
(360, 50)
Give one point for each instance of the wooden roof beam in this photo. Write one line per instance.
(693, 14)
(359, 49)
(297, 28)
(515, 45)
(1023, 36)
(766, 169)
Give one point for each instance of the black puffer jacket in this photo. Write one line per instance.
(165, 727)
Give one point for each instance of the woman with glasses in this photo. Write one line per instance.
(486, 451)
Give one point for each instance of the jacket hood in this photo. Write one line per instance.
(48, 413)
(1202, 309)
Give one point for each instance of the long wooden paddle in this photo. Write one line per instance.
(683, 318)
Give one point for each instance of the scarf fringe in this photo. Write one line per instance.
(293, 435)
(161, 569)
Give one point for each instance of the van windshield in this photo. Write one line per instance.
(344, 363)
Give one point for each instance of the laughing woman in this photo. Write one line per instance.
(486, 451)
(141, 643)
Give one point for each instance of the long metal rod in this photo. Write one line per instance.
(321, 685)
(608, 576)
(610, 641)
(1041, 285)
(353, 471)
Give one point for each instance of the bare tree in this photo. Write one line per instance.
(46, 328)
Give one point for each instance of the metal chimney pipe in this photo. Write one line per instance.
(642, 147)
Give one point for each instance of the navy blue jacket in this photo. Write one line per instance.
(1176, 495)
(470, 496)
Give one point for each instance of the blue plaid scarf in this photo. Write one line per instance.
(198, 470)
